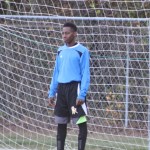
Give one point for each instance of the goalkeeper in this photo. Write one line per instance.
(70, 82)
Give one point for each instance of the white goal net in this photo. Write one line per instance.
(117, 33)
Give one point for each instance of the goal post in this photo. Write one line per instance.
(119, 94)
(149, 91)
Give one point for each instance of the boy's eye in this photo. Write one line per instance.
(65, 33)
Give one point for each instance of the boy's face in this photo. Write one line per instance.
(68, 35)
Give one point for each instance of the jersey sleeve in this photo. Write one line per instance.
(54, 83)
(85, 75)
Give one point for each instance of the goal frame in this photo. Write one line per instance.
(99, 19)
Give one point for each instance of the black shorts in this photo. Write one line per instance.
(65, 108)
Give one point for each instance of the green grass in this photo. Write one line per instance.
(47, 142)
(19, 142)
(112, 142)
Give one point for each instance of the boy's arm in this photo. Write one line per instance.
(85, 73)
(54, 82)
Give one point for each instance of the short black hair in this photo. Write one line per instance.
(71, 25)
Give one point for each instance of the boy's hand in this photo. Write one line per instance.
(51, 102)
(79, 102)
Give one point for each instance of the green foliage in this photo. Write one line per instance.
(93, 8)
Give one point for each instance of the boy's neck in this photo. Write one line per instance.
(71, 44)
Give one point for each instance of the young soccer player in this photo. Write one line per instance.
(71, 78)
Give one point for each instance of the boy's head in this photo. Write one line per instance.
(69, 33)
(71, 25)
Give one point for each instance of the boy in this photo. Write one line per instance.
(71, 79)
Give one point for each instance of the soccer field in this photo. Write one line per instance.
(41, 142)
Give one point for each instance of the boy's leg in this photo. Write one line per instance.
(61, 136)
(82, 135)
(78, 114)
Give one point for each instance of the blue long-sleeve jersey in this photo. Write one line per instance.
(72, 64)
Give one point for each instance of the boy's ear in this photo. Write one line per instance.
(75, 34)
